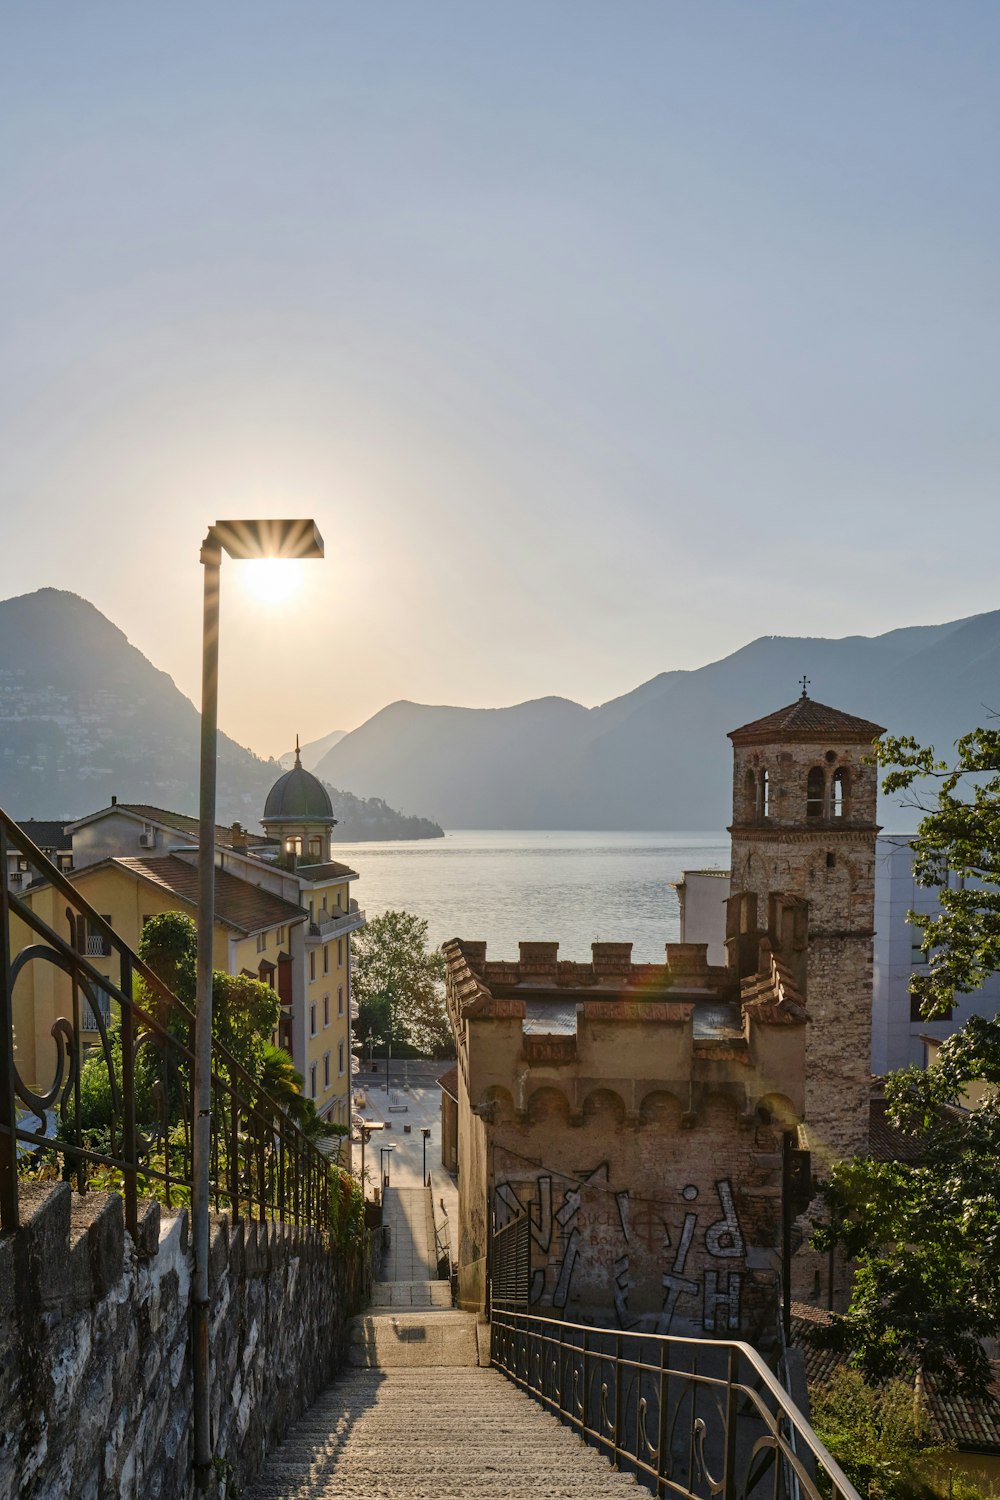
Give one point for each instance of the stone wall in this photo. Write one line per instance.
(95, 1395)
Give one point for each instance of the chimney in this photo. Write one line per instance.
(114, 800)
(238, 836)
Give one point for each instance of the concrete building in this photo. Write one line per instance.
(636, 1115)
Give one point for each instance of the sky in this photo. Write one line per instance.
(598, 338)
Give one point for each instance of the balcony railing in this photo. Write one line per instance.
(262, 1165)
(694, 1418)
(335, 923)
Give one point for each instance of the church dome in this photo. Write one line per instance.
(298, 797)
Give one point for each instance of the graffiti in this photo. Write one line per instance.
(729, 1300)
(575, 1231)
(623, 1284)
(675, 1283)
(724, 1238)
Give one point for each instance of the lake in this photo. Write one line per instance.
(507, 887)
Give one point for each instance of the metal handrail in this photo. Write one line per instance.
(262, 1164)
(703, 1419)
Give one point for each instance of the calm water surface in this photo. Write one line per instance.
(505, 887)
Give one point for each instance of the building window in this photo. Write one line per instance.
(838, 792)
(262, 942)
(340, 1000)
(326, 958)
(917, 956)
(765, 794)
(326, 1010)
(312, 1080)
(280, 936)
(316, 847)
(915, 1015)
(326, 1070)
(312, 964)
(340, 1058)
(312, 1019)
(814, 793)
(95, 944)
(340, 953)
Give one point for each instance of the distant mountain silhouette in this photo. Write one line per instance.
(658, 757)
(84, 716)
(313, 752)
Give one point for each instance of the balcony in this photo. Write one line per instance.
(334, 924)
(87, 1018)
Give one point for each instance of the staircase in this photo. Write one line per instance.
(418, 1416)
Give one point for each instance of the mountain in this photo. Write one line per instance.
(658, 757)
(311, 754)
(84, 715)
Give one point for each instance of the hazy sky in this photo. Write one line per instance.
(598, 338)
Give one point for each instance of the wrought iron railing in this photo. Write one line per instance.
(689, 1417)
(262, 1164)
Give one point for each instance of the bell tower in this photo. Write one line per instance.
(803, 887)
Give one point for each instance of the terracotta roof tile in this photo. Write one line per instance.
(886, 1143)
(238, 904)
(448, 1082)
(970, 1425)
(805, 719)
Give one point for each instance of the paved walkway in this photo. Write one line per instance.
(408, 1219)
(419, 1416)
(434, 1434)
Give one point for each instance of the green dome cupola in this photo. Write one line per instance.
(299, 813)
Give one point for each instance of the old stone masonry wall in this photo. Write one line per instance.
(95, 1370)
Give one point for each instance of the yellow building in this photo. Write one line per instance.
(284, 914)
(249, 922)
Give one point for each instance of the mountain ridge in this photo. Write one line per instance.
(657, 757)
(84, 715)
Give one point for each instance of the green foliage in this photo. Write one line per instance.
(398, 985)
(244, 1016)
(878, 1436)
(347, 1207)
(926, 1236)
(957, 853)
(168, 943)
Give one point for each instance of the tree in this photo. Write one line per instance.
(926, 1235)
(877, 1434)
(957, 852)
(398, 984)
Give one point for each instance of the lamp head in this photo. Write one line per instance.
(275, 538)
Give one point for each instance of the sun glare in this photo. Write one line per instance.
(271, 580)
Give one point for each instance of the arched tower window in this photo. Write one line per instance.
(839, 792)
(814, 793)
(765, 794)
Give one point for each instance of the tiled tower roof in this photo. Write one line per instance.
(805, 719)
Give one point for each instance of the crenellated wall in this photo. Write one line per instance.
(635, 1113)
(94, 1346)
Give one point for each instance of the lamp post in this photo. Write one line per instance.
(425, 1132)
(244, 540)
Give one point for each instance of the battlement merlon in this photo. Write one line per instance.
(683, 1027)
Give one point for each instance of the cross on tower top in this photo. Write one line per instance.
(806, 682)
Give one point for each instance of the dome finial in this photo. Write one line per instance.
(805, 684)
(298, 758)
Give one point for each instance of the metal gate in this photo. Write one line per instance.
(510, 1263)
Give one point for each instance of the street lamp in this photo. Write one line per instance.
(243, 540)
(425, 1132)
(385, 1157)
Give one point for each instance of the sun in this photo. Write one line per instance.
(271, 580)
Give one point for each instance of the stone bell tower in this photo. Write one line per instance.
(803, 887)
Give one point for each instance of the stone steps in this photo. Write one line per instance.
(411, 1294)
(434, 1434)
(388, 1340)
